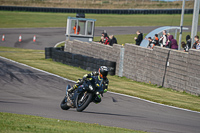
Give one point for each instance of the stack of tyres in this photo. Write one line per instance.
(96, 64)
(85, 63)
(89, 63)
(112, 66)
(68, 58)
(77, 60)
(48, 53)
(54, 54)
(58, 56)
(62, 57)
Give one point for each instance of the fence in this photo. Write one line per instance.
(102, 4)
(96, 11)
(162, 66)
(77, 60)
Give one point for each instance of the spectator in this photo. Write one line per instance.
(105, 39)
(196, 38)
(163, 39)
(172, 43)
(185, 46)
(112, 40)
(139, 38)
(168, 34)
(198, 46)
(151, 42)
(188, 41)
(102, 39)
(156, 40)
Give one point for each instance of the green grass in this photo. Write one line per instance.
(16, 123)
(15, 19)
(123, 85)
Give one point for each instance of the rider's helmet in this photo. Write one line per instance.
(103, 71)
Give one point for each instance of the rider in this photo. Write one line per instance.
(100, 76)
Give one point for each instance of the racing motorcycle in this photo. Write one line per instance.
(81, 97)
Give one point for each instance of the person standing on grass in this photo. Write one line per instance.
(139, 38)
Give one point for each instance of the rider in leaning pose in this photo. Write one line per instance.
(100, 81)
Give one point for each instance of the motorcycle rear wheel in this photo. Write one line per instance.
(80, 106)
(63, 104)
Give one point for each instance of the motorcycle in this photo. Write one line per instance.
(81, 97)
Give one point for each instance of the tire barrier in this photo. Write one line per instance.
(77, 60)
(96, 11)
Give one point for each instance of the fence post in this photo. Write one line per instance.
(121, 62)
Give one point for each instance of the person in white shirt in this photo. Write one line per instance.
(163, 39)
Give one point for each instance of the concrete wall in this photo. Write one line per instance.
(161, 66)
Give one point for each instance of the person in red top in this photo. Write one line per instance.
(77, 30)
(156, 40)
(106, 39)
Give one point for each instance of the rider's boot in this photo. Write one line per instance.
(97, 99)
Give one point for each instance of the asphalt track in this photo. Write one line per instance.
(25, 90)
(48, 37)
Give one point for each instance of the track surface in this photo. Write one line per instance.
(24, 90)
(48, 37)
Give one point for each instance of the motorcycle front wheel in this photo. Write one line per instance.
(82, 101)
(63, 104)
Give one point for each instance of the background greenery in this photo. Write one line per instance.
(15, 19)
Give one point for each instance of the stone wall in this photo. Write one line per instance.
(193, 73)
(176, 73)
(145, 65)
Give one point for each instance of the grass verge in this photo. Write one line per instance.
(13, 19)
(35, 58)
(15, 123)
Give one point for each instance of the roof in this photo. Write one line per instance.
(82, 19)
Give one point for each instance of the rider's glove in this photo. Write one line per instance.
(79, 81)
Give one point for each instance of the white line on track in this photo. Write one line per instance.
(108, 91)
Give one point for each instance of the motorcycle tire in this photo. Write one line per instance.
(85, 104)
(63, 104)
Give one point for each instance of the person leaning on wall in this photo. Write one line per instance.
(163, 39)
(112, 40)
